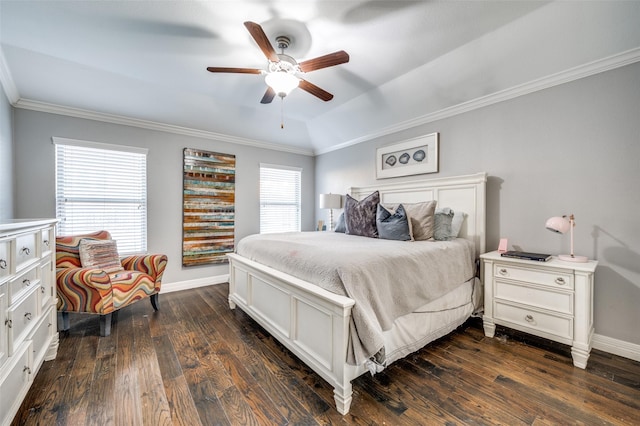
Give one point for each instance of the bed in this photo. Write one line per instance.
(317, 325)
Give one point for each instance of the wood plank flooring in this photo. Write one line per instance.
(198, 362)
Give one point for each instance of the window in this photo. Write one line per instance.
(100, 186)
(279, 198)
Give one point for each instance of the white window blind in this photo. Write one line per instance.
(279, 198)
(101, 186)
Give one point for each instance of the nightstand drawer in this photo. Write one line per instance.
(536, 296)
(535, 320)
(538, 276)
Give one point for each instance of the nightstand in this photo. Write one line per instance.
(552, 299)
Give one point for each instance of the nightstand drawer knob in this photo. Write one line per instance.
(560, 281)
(529, 318)
(503, 271)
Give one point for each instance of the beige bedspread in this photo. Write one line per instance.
(387, 279)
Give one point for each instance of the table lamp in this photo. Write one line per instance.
(330, 201)
(561, 225)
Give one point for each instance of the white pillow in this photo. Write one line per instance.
(100, 254)
(456, 223)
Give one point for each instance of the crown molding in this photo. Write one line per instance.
(152, 125)
(612, 62)
(6, 80)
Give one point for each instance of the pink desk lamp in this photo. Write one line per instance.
(561, 225)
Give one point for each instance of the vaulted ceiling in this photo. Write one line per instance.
(144, 62)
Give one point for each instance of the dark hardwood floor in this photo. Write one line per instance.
(198, 362)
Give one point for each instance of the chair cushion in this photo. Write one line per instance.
(100, 254)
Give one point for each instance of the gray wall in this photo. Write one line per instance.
(35, 175)
(574, 148)
(6, 158)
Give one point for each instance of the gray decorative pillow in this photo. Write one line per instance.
(340, 224)
(442, 229)
(393, 226)
(360, 216)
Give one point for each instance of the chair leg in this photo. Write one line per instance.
(155, 302)
(105, 325)
(63, 321)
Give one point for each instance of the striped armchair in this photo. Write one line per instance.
(95, 291)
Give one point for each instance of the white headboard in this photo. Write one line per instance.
(460, 193)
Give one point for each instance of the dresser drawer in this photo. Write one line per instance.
(25, 249)
(5, 261)
(543, 277)
(3, 316)
(41, 336)
(47, 287)
(15, 384)
(22, 283)
(46, 242)
(535, 320)
(540, 297)
(22, 317)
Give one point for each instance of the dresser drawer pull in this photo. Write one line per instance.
(42, 289)
(3, 264)
(27, 315)
(560, 281)
(46, 243)
(529, 318)
(503, 271)
(27, 369)
(26, 282)
(8, 323)
(25, 250)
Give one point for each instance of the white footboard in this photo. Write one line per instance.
(311, 322)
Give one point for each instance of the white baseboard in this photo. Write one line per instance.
(200, 282)
(616, 347)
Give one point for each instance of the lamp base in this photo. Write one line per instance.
(573, 258)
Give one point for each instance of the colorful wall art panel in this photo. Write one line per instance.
(209, 180)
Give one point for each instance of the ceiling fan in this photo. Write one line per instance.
(281, 71)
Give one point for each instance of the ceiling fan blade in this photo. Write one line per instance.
(268, 96)
(235, 70)
(335, 58)
(315, 90)
(261, 38)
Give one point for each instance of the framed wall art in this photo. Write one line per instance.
(411, 157)
(208, 199)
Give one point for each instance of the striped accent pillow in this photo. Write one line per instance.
(100, 254)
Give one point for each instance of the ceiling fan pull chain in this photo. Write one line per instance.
(282, 112)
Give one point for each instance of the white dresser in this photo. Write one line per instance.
(551, 299)
(28, 331)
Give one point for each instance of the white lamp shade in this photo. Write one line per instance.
(282, 82)
(558, 224)
(330, 201)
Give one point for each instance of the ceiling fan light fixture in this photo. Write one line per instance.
(282, 82)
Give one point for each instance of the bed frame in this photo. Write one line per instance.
(314, 323)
